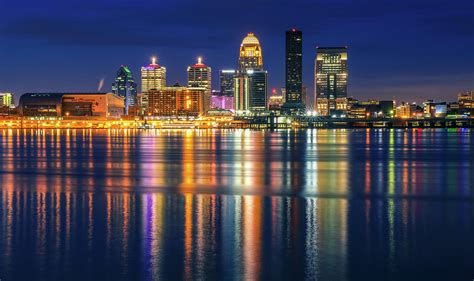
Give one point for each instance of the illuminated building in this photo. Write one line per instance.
(125, 86)
(199, 75)
(153, 77)
(250, 89)
(178, 101)
(466, 100)
(250, 57)
(330, 75)
(6, 100)
(404, 110)
(241, 93)
(219, 101)
(163, 102)
(91, 105)
(435, 109)
(275, 102)
(294, 102)
(226, 79)
(250, 82)
(368, 109)
(258, 89)
(194, 101)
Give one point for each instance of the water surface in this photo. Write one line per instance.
(236, 204)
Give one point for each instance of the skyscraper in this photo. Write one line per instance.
(250, 82)
(226, 79)
(293, 71)
(153, 77)
(199, 75)
(258, 89)
(241, 93)
(125, 86)
(330, 76)
(250, 56)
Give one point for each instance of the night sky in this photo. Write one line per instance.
(411, 50)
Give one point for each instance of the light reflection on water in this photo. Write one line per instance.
(327, 204)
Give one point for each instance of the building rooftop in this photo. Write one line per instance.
(250, 39)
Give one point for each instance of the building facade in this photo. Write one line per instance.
(330, 79)
(178, 101)
(72, 105)
(293, 72)
(258, 81)
(226, 80)
(241, 93)
(124, 86)
(153, 78)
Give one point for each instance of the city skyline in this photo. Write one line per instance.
(371, 35)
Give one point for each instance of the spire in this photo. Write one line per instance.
(153, 60)
(199, 60)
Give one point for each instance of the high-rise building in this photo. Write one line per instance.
(199, 75)
(241, 93)
(250, 82)
(153, 77)
(125, 86)
(250, 56)
(6, 99)
(330, 75)
(226, 79)
(258, 89)
(294, 71)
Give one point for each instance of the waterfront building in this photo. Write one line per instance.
(199, 75)
(178, 101)
(124, 86)
(6, 100)
(226, 79)
(294, 102)
(330, 79)
(466, 100)
(435, 109)
(153, 78)
(78, 105)
(404, 110)
(250, 82)
(368, 109)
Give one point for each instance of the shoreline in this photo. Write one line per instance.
(229, 123)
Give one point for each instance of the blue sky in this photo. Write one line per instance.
(410, 50)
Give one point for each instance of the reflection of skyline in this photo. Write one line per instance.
(195, 235)
(310, 162)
